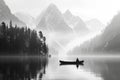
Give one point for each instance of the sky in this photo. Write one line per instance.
(103, 10)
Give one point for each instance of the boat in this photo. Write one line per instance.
(77, 62)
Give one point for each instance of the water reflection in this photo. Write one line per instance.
(56, 72)
(93, 69)
(27, 68)
(35, 68)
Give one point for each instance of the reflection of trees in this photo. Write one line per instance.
(15, 40)
(21, 42)
(21, 69)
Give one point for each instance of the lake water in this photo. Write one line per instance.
(22, 67)
(95, 68)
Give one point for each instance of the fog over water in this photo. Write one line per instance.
(73, 30)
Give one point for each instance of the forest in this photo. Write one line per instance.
(15, 40)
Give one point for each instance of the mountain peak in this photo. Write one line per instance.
(67, 12)
(52, 10)
(52, 20)
(52, 6)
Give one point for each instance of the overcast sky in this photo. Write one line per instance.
(103, 10)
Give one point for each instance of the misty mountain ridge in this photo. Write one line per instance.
(95, 25)
(108, 41)
(111, 34)
(52, 23)
(52, 20)
(27, 19)
(6, 15)
(68, 18)
(75, 22)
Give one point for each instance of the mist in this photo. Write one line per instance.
(66, 39)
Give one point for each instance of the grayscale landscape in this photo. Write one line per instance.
(59, 40)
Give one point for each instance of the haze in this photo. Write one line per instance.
(103, 10)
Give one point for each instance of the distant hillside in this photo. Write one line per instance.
(27, 19)
(6, 15)
(109, 40)
(95, 25)
(75, 22)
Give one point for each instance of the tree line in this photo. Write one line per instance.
(16, 40)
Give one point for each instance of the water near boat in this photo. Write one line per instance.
(95, 68)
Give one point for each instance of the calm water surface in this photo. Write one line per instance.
(22, 68)
(96, 68)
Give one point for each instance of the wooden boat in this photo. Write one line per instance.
(77, 62)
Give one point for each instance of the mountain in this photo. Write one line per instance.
(111, 35)
(6, 15)
(26, 18)
(52, 20)
(75, 22)
(108, 41)
(95, 25)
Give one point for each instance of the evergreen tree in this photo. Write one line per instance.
(15, 40)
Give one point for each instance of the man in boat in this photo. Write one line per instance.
(77, 62)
